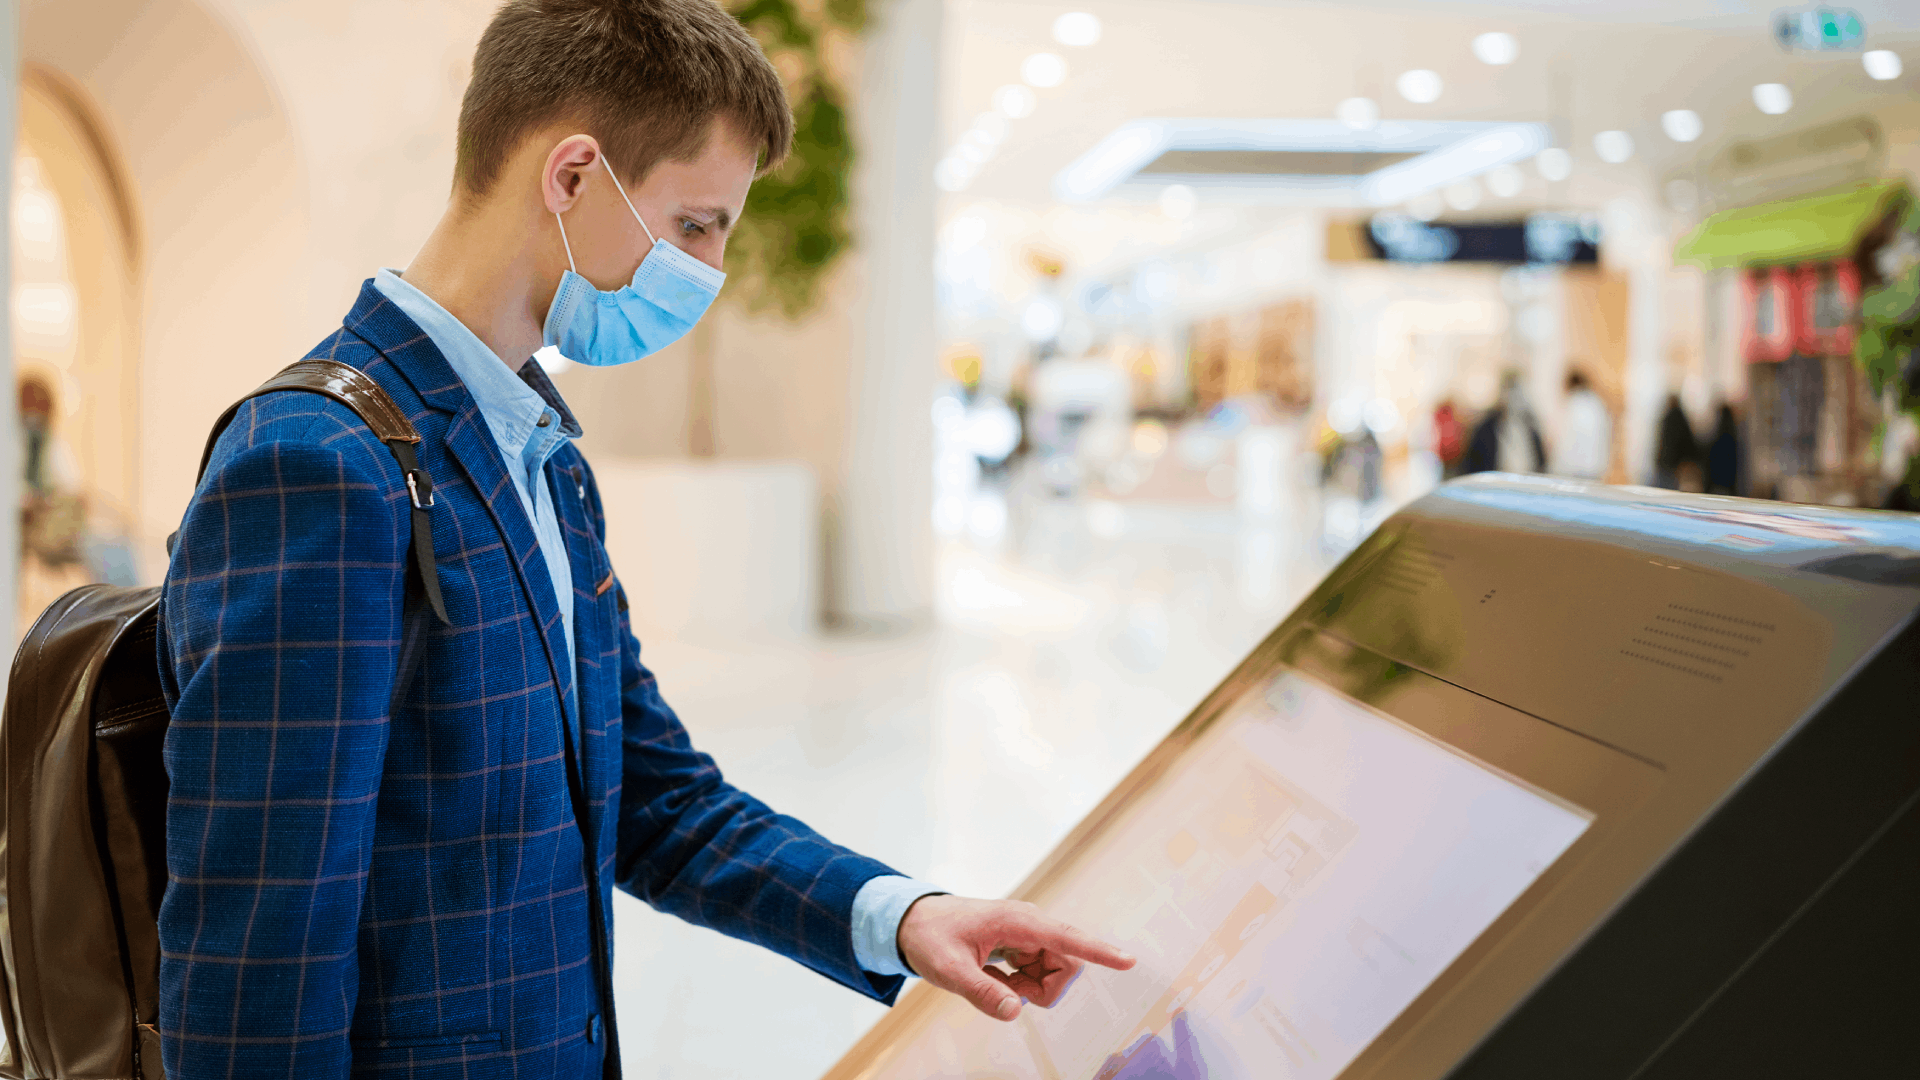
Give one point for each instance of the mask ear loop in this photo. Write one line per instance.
(636, 214)
(565, 244)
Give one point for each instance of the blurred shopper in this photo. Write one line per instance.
(53, 510)
(1586, 437)
(1723, 454)
(1676, 455)
(418, 882)
(1449, 439)
(1507, 439)
(1354, 465)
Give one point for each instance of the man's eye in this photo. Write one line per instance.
(692, 228)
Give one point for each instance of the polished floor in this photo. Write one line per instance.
(1069, 641)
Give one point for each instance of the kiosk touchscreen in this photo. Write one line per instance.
(1546, 779)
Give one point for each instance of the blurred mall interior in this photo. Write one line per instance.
(1121, 322)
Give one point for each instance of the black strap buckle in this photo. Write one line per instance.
(419, 485)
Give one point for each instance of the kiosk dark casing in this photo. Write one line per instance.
(1728, 689)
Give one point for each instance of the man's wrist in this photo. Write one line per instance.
(899, 947)
(879, 908)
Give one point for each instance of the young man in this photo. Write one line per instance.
(418, 884)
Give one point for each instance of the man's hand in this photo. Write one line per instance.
(950, 941)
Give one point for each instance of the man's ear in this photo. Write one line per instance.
(568, 165)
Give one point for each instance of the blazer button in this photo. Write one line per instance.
(593, 1029)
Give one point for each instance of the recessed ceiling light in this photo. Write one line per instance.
(1681, 125)
(1013, 101)
(1505, 181)
(1772, 98)
(1044, 70)
(992, 127)
(1496, 48)
(1613, 147)
(1554, 164)
(1077, 29)
(1882, 64)
(1420, 86)
(1358, 113)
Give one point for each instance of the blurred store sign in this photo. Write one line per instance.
(1542, 238)
(1318, 162)
(1820, 228)
(1819, 29)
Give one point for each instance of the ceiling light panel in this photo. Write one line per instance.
(1044, 70)
(1881, 64)
(1420, 86)
(1496, 48)
(1077, 29)
(1325, 162)
(1772, 98)
(1681, 125)
(1614, 147)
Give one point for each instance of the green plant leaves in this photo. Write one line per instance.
(796, 223)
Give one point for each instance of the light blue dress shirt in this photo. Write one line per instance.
(528, 429)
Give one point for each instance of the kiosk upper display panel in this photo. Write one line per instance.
(1300, 875)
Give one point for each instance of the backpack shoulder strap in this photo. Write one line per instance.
(358, 391)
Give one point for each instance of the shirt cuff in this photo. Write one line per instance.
(877, 910)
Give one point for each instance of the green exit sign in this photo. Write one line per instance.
(1819, 29)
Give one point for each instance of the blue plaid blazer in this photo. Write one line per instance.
(428, 894)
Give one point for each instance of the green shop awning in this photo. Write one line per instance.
(1812, 229)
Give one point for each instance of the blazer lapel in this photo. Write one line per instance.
(591, 577)
(408, 348)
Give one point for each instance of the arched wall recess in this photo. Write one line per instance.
(76, 305)
(215, 203)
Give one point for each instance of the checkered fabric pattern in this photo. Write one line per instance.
(353, 893)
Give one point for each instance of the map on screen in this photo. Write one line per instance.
(1290, 886)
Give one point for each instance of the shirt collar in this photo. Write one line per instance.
(535, 377)
(511, 405)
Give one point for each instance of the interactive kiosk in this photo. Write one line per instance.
(1546, 780)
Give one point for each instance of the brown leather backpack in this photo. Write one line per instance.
(83, 836)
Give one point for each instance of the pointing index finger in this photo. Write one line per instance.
(1065, 939)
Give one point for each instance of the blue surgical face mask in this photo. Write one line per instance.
(670, 291)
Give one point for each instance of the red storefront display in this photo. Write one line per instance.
(1807, 309)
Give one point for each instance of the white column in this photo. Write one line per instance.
(1637, 245)
(9, 408)
(882, 561)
